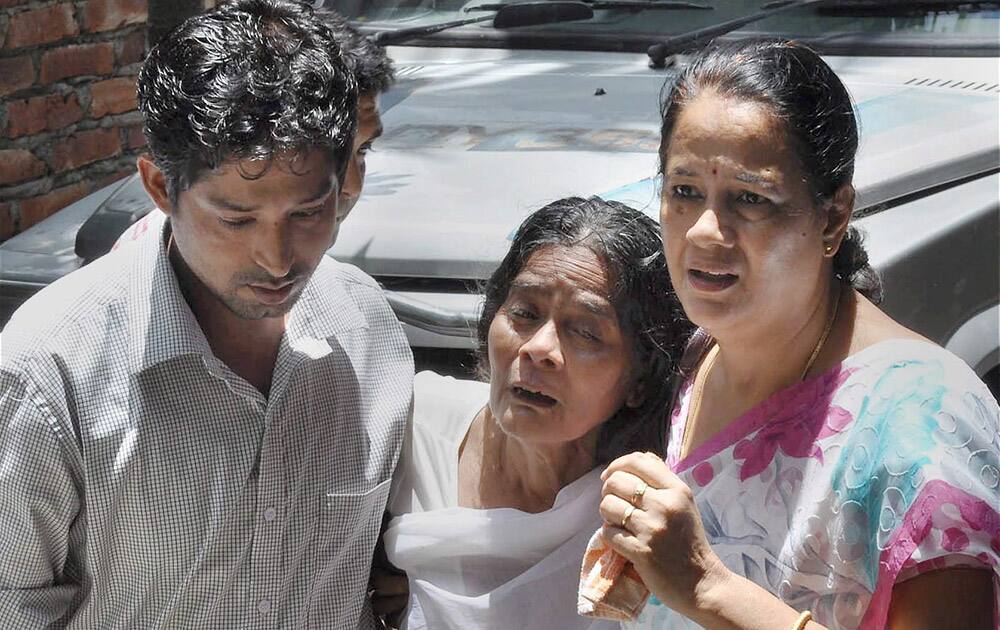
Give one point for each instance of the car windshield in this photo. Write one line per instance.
(906, 27)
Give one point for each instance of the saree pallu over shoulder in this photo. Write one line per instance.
(833, 490)
(497, 567)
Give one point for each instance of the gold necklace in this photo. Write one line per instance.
(697, 387)
(713, 354)
(826, 333)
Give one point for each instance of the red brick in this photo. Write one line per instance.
(134, 138)
(16, 73)
(62, 112)
(133, 48)
(105, 15)
(41, 26)
(74, 61)
(19, 165)
(23, 119)
(113, 96)
(85, 147)
(37, 208)
(51, 112)
(6, 221)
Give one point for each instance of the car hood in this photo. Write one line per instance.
(475, 140)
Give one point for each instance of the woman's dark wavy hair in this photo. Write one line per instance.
(651, 318)
(803, 91)
(250, 80)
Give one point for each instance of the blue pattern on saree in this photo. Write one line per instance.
(879, 470)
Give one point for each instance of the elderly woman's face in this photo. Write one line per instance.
(743, 241)
(558, 359)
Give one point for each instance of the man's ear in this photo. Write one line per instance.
(155, 183)
(838, 215)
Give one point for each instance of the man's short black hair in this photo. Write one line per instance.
(250, 80)
(372, 67)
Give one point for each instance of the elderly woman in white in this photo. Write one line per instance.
(497, 490)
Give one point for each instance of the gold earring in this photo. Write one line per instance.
(828, 248)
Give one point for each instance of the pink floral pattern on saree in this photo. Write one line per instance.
(831, 491)
(792, 424)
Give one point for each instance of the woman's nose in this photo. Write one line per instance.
(710, 230)
(543, 346)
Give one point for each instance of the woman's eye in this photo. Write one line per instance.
(519, 312)
(365, 149)
(587, 334)
(751, 198)
(684, 191)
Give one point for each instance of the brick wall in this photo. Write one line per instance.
(68, 119)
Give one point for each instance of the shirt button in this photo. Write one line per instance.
(269, 514)
(264, 605)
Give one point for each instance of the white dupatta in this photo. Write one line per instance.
(498, 568)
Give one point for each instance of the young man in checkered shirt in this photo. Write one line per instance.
(199, 431)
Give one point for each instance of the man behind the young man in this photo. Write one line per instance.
(198, 431)
(374, 74)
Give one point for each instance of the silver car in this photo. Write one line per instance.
(488, 123)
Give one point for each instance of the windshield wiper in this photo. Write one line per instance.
(506, 16)
(658, 53)
(883, 7)
(663, 5)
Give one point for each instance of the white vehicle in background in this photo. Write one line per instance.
(490, 120)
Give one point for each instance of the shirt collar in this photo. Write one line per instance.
(325, 308)
(163, 327)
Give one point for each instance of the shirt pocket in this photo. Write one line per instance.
(349, 526)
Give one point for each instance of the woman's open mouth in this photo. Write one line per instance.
(707, 281)
(535, 398)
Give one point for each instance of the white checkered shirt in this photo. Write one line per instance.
(144, 485)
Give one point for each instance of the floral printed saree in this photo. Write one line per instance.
(833, 490)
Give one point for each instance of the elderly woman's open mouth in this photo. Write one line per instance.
(532, 396)
(711, 280)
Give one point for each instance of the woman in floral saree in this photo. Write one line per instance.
(826, 467)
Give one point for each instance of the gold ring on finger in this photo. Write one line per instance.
(628, 514)
(640, 489)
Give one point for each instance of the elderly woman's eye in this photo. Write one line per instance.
(588, 334)
(520, 312)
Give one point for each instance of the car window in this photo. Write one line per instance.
(914, 25)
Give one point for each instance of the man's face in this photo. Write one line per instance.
(254, 242)
(369, 129)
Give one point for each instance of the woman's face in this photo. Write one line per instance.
(560, 365)
(744, 242)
